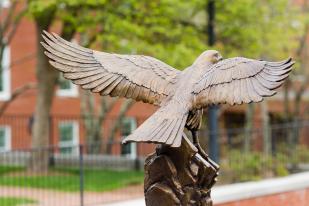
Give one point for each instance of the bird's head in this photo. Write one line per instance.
(208, 57)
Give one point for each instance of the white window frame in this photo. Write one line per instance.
(75, 141)
(6, 75)
(72, 92)
(5, 3)
(133, 145)
(8, 138)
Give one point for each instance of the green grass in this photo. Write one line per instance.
(8, 169)
(95, 180)
(12, 201)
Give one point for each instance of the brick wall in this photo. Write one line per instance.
(292, 190)
(293, 198)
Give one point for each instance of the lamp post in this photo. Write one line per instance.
(212, 110)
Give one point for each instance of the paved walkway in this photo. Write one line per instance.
(55, 198)
(136, 202)
(133, 195)
(247, 190)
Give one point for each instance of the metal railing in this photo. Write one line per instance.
(90, 175)
(67, 179)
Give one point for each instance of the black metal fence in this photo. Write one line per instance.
(76, 173)
(67, 179)
(276, 150)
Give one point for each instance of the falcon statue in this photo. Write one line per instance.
(181, 95)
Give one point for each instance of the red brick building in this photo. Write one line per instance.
(67, 127)
(19, 63)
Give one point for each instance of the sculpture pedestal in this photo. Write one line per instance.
(179, 176)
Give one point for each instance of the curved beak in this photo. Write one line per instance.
(220, 58)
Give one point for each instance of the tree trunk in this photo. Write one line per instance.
(47, 78)
(46, 81)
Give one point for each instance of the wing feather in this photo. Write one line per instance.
(111, 86)
(58, 43)
(88, 80)
(72, 46)
(142, 78)
(66, 68)
(90, 84)
(253, 95)
(105, 80)
(240, 80)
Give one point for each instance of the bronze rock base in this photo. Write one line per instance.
(179, 176)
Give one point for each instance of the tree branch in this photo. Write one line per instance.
(16, 93)
(123, 110)
(107, 108)
(8, 19)
(16, 23)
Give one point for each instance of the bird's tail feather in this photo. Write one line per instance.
(165, 126)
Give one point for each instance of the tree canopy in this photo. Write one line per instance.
(175, 30)
(259, 29)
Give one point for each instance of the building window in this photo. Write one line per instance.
(66, 88)
(128, 126)
(68, 137)
(5, 3)
(5, 83)
(5, 138)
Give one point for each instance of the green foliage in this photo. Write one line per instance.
(301, 154)
(259, 29)
(175, 30)
(67, 179)
(160, 28)
(43, 11)
(12, 201)
(294, 154)
(240, 167)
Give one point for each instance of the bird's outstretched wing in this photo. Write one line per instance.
(240, 80)
(142, 78)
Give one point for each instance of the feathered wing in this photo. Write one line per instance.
(240, 80)
(142, 78)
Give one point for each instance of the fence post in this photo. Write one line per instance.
(81, 174)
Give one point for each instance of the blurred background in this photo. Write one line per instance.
(60, 145)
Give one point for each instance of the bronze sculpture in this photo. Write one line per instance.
(181, 95)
